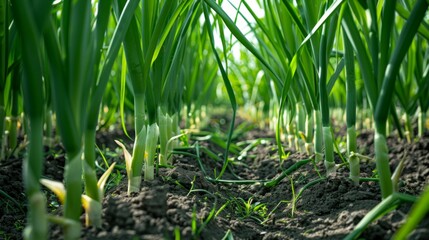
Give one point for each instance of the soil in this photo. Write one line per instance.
(181, 201)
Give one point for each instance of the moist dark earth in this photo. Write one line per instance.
(182, 202)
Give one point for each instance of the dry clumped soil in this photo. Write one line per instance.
(179, 196)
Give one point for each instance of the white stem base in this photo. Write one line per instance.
(134, 184)
(149, 173)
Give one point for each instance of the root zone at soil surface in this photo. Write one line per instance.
(181, 201)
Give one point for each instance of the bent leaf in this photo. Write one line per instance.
(127, 157)
(56, 187)
(103, 179)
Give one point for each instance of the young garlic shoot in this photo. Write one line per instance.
(168, 128)
(324, 104)
(29, 28)
(354, 161)
(381, 112)
(145, 145)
